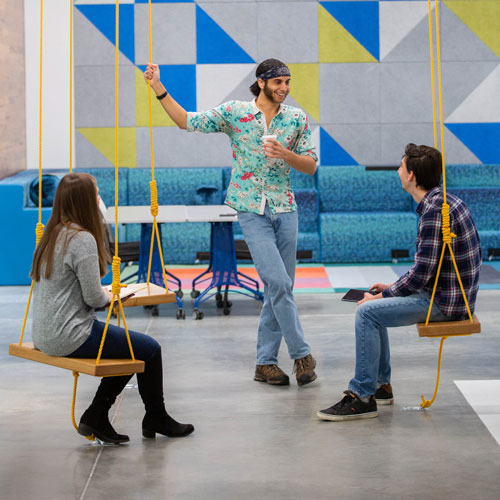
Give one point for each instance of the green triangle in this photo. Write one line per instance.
(305, 87)
(482, 17)
(103, 139)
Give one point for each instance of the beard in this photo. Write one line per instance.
(269, 93)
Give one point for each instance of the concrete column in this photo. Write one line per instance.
(12, 88)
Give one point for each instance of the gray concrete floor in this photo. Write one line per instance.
(253, 441)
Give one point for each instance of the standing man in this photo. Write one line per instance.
(407, 301)
(261, 193)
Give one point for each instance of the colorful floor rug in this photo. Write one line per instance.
(335, 278)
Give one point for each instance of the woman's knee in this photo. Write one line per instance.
(144, 346)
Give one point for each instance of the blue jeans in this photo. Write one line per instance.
(116, 345)
(373, 358)
(272, 240)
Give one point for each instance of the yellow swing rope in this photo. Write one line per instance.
(39, 226)
(116, 286)
(445, 211)
(154, 193)
(115, 266)
(70, 86)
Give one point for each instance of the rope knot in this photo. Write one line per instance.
(39, 232)
(154, 198)
(447, 234)
(425, 403)
(116, 286)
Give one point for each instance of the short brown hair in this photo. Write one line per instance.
(426, 163)
(75, 206)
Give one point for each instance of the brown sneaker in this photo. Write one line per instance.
(272, 374)
(304, 370)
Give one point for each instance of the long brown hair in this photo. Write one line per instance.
(75, 207)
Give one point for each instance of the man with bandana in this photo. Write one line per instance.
(267, 138)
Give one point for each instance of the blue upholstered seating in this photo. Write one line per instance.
(353, 188)
(364, 214)
(472, 176)
(366, 236)
(105, 178)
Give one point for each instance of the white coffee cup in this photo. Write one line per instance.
(266, 138)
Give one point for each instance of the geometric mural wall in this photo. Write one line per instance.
(360, 70)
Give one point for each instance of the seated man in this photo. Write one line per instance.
(406, 301)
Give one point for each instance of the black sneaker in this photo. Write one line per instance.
(350, 407)
(384, 395)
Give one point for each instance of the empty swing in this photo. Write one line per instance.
(443, 329)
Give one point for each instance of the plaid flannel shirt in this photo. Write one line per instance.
(466, 249)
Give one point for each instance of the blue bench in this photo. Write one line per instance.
(364, 215)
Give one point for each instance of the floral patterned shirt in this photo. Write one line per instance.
(255, 178)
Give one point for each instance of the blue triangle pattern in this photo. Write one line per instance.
(361, 20)
(181, 82)
(104, 19)
(331, 152)
(481, 138)
(214, 45)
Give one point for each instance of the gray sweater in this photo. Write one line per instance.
(63, 305)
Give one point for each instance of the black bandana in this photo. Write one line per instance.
(274, 73)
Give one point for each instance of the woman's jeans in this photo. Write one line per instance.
(272, 240)
(116, 345)
(373, 359)
(145, 348)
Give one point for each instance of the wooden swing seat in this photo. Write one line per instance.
(105, 368)
(449, 328)
(145, 295)
(138, 294)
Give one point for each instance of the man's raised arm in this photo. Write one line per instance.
(176, 112)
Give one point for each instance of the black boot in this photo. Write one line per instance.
(157, 420)
(95, 419)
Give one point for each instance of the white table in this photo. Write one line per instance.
(141, 214)
(222, 254)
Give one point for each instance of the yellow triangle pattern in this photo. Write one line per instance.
(103, 139)
(160, 118)
(336, 44)
(305, 87)
(482, 17)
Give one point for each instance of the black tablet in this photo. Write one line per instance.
(355, 295)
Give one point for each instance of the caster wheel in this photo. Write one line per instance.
(155, 311)
(180, 314)
(219, 304)
(227, 311)
(197, 314)
(179, 294)
(194, 294)
(218, 297)
(229, 304)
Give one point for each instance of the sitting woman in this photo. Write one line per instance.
(68, 264)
